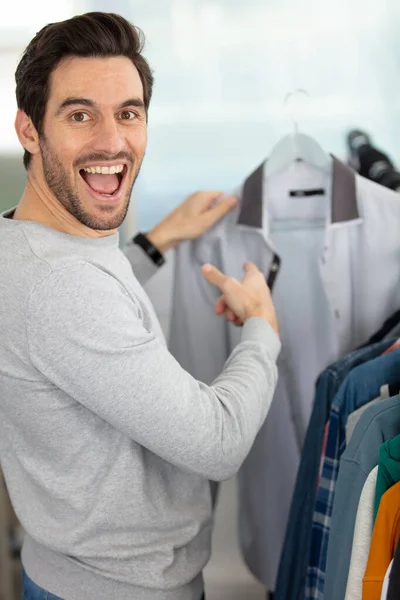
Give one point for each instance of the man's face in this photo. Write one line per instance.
(94, 138)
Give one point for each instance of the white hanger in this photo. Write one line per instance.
(297, 147)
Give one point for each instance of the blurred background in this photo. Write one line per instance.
(222, 70)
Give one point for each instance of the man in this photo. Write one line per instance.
(106, 443)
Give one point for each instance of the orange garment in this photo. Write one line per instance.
(392, 348)
(384, 541)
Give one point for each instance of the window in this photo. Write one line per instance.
(23, 19)
(223, 68)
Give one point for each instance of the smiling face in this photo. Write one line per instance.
(94, 138)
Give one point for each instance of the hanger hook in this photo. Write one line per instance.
(288, 103)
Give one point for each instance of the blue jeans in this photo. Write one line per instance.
(31, 591)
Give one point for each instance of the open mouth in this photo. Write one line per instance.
(104, 181)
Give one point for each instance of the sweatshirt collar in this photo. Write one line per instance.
(106, 241)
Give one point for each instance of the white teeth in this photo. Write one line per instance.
(105, 170)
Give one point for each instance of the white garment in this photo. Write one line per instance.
(385, 587)
(297, 232)
(359, 270)
(362, 538)
(355, 416)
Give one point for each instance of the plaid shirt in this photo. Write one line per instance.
(360, 387)
(335, 446)
(294, 558)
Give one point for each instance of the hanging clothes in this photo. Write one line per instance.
(388, 470)
(362, 538)
(355, 416)
(395, 332)
(358, 278)
(378, 424)
(371, 162)
(360, 387)
(294, 557)
(385, 587)
(385, 538)
(394, 580)
(387, 330)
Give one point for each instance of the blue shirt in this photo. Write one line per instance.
(294, 557)
(379, 423)
(360, 387)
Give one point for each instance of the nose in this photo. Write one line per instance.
(108, 137)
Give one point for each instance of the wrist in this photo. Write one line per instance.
(261, 331)
(161, 238)
(142, 240)
(265, 316)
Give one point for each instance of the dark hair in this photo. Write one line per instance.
(94, 34)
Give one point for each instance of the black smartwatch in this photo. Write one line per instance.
(141, 240)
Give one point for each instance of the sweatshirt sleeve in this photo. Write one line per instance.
(142, 265)
(89, 337)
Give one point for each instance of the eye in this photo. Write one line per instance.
(80, 117)
(128, 115)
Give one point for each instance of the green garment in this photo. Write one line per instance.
(388, 470)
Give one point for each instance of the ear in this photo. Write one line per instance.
(26, 132)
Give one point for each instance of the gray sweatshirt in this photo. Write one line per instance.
(106, 443)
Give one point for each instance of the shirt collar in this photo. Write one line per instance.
(344, 207)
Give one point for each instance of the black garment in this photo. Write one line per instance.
(394, 579)
(370, 162)
(386, 328)
(394, 389)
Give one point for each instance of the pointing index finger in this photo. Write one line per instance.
(213, 275)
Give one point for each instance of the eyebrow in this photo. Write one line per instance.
(72, 101)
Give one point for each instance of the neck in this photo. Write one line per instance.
(38, 204)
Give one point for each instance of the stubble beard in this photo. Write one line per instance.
(61, 187)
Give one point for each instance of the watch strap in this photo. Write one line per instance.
(155, 255)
